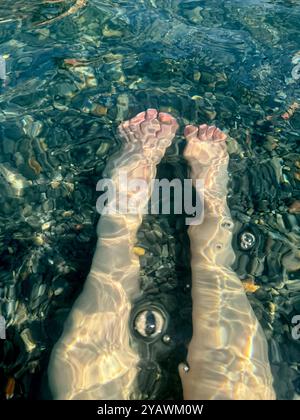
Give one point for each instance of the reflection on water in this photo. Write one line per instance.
(67, 84)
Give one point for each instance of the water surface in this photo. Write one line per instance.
(69, 79)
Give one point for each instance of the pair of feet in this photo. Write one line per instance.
(155, 131)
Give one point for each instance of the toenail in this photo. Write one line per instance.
(151, 113)
(165, 118)
(189, 130)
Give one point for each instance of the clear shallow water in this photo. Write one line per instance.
(68, 84)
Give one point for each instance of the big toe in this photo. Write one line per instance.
(168, 124)
(138, 118)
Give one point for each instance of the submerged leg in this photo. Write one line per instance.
(228, 354)
(93, 358)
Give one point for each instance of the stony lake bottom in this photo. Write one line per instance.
(70, 72)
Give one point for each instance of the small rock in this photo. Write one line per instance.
(297, 176)
(99, 110)
(295, 207)
(27, 339)
(249, 286)
(139, 251)
(291, 261)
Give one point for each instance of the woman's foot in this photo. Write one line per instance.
(207, 156)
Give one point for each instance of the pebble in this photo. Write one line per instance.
(250, 286)
(99, 110)
(122, 107)
(162, 271)
(38, 240)
(295, 207)
(139, 251)
(293, 286)
(296, 72)
(10, 388)
(28, 340)
(58, 291)
(197, 75)
(35, 166)
(297, 176)
(291, 261)
(17, 182)
(166, 339)
(46, 226)
(150, 236)
(210, 114)
(111, 33)
(30, 127)
(165, 251)
(275, 351)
